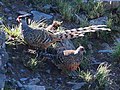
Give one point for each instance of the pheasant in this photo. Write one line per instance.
(69, 60)
(43, 38)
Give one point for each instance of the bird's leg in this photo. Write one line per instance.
(37, 53)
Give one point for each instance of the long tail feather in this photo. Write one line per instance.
(79, 32)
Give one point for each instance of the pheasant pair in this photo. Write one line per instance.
(67, 59)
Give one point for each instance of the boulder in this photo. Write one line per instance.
(2, 81)
(40, 15)
(99, 21)
(34, 87)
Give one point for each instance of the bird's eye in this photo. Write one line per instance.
(82, 49)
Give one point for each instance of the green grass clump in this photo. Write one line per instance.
(87, 76)
(102, 75)
(116, 52)
(98, 80)
(95, 9)
(66, 9)
(13, 32)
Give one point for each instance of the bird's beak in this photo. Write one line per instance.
(18, 19)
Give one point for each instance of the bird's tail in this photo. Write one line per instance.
(79, 32)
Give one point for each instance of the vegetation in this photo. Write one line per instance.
(96, 76)
(102, 74)
(101, 79)
(116, 52)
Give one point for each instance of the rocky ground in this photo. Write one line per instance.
(19, 75)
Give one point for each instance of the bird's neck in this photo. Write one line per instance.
(77, 51)
(23, 26)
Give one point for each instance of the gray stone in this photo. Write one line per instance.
(22, 12)
(48, 71)
(13, 6)
(3, 57)
(105, 51)
(47, 7)
(7, 10)
(34, 81)
(99, 21)
(76, 86)
(2, 80)
(1, 3)
(95, 61)
(10, 18)
(19, 84)
(1, 22)
(106, 46)
(3, 53)
(22, 70)
(118, 40)
(39, 15)
(34, 87)
(23, 79)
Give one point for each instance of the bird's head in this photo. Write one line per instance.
(80, 50)
(24, 18)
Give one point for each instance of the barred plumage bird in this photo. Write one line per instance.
(43, 38)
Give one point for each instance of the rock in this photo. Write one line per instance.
(95, 61)
(10, 18)
(22, 12)
(34, 87)
(99, 21)
(105, 51)
(39, 15)
(118, 40)
(1, 21)
(13, 7)
(106, 46)
(76, 86)
(22, 71)
(47, 8)
(2, 80)
(7, 10)
(3, 53)
(1, 3)
(48, 71)
(34, 81)
(23, 79)
(3, 57)
(19, 84)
